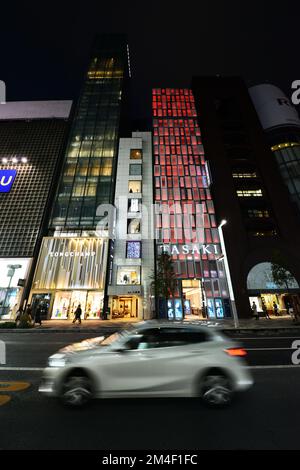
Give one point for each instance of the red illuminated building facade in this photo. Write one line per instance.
(185, 220)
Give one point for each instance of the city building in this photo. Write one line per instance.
(72, 263)
(133, 250)
(281, 123)
(186, 224)
(262, 228)
(32, 136)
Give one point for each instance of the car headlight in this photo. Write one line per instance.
(57, 360)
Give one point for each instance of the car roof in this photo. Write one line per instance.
(195, 326)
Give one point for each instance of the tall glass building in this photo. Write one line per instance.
(88, 176)
(72, 267)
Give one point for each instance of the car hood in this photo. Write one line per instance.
(82, 346)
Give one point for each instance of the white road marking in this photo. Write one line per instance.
(21, 368)
(274, 367)
(257, 338)
(35, 343)
(270, 349)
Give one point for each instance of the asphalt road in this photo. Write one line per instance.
(266, 417)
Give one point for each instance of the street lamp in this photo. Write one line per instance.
(228, 276)
(10, 273)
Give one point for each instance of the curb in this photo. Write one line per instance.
(60, 330)
(263, 331)
(111, 328)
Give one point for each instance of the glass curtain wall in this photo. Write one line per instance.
(88, 175)
(186, 218)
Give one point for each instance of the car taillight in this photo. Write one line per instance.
(237, 352)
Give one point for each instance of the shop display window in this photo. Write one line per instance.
(135, 187)
(127, 275)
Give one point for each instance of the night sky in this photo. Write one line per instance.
(45, 45)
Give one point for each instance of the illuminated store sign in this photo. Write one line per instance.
(71, 263)
(191, 249)
(71, 254)
(7, 178)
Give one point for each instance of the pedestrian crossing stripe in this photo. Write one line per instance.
(4, 399)
(13, 386)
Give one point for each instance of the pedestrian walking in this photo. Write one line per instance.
(78, 313)
(275, 309)
(254, 310)
(265, 310)
(28, 312)
(19, 314)
(37, 316)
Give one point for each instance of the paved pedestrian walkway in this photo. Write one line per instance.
(273, 324)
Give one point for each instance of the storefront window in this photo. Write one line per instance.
(136, 154)
(134, 226)
(128, 275)
(133, 205)
(135, 187)
(66, 302)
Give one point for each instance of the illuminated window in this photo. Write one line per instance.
(91, 189)
(133, 205)
(258, 213)
(78, 190)
(135, 187)
(244, 175)
(136, 154)
(133, 226)
(284, 146)
(133, 250)
(250, 193)
(127, 275)
(263, 233)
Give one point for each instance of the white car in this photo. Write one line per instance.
(150, 360)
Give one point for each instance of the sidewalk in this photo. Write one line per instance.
(251, 326)
(66, 326)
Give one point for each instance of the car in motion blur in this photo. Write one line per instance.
(152, 359)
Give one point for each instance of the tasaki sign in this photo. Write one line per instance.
(7, 178)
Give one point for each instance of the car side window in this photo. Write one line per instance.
(133, 342)
(165, 338)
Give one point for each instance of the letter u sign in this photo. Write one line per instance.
(7, 178)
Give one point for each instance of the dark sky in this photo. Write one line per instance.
(45, 45)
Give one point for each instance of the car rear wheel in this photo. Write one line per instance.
(216, 390)
(77, 391)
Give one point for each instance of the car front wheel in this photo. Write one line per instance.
(76, 391)
(216, 390)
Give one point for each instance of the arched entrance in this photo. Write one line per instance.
(281, 297)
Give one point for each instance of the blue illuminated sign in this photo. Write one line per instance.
(7, 178)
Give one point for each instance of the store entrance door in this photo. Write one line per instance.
(193, 300)
(41, 301)
(125, 307)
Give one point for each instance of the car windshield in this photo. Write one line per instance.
(111, 339)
